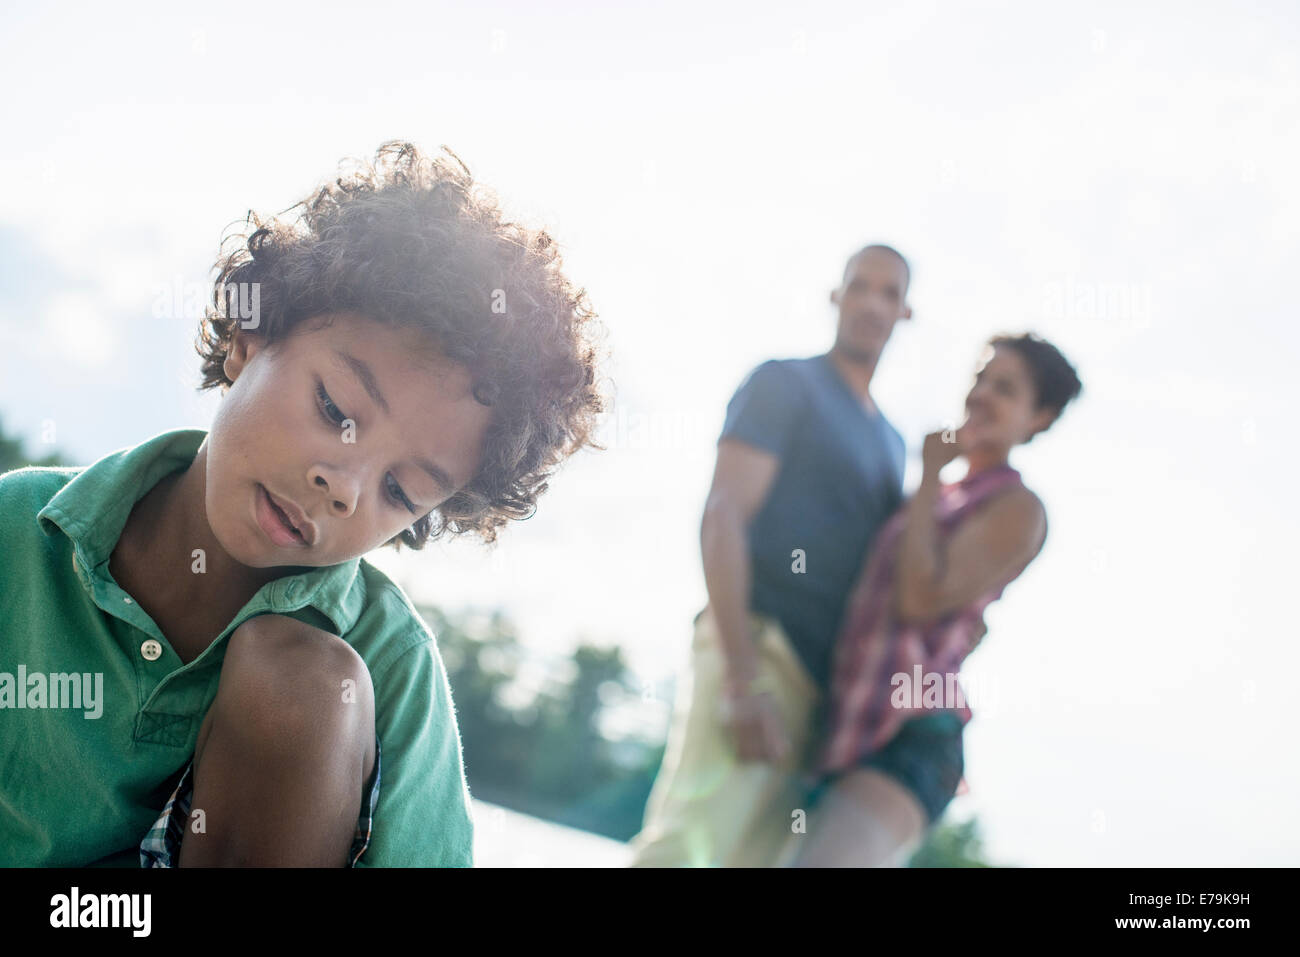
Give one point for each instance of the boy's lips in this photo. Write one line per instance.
(272, 514)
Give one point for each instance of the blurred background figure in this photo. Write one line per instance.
(893, 755)
(808, 470)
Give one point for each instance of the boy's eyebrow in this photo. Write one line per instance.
(368, 380)
(371, 385)
(437, 474)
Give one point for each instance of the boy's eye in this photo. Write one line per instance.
(327, 405)
(399, 496)
(328, 410)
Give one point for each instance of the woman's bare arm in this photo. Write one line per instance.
(932, 578)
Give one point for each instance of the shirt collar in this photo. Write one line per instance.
(832, 372)
(92, 509)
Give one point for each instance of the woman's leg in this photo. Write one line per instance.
(865, 819)
(877, 813)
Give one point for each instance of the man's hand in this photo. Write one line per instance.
(756, 726)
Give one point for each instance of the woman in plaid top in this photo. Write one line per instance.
(892, 757)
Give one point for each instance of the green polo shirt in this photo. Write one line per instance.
(99, 717)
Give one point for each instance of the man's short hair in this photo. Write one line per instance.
(907, 269)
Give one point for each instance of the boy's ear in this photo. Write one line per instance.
(907, 310)
(243, 347)
(835, 295)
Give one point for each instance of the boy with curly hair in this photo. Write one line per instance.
(399, 363)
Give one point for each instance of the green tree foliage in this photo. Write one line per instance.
(14, 456)
(542, 751)
(951, 845)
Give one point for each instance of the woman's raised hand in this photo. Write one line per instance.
(939, 449)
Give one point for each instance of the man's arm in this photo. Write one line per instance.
(742, 478)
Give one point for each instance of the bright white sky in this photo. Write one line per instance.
(1120, 178)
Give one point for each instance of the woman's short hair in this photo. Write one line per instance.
(1056, 383)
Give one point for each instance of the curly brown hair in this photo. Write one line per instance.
(412, 240)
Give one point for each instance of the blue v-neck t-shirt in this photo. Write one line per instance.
(840, 478)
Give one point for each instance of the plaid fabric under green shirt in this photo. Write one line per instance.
(161, 847)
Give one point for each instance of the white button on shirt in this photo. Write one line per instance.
(151, 650)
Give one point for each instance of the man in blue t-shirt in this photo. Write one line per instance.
(808, 470)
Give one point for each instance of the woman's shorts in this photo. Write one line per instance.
(162, 845)
(926, 757)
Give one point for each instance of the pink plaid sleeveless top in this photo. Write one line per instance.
(872, 647)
